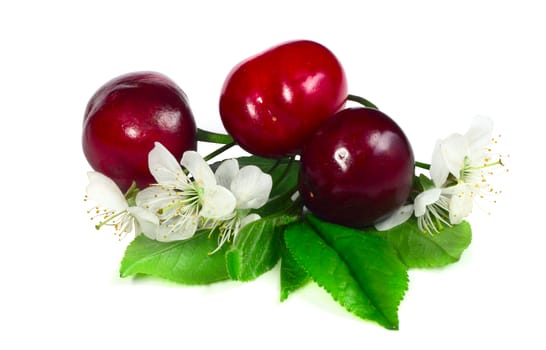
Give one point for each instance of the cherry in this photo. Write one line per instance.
(357, 168)
(273, 102)
(126, 116)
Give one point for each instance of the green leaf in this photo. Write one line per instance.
(425, 182)
(276, 205)
(361, 272)
(186, 262)
(256, 249)
(417, 249)
(293, 276)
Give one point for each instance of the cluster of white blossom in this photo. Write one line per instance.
(459, 170)
(183, 201)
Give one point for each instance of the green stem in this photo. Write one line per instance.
(219, 151)
(286, 170)
(422, 165)
(275, 166)
(131, 194)
(213, 137)
(361, 100)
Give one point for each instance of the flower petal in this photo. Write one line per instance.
(460, 205)
(197, 166)
(425, 198)
(251, 187)
(294, 197)
(438, 167)
(398, 217)
(164, 167)
(454, 151)
(218, 202)
(249, 218)
(226, 172)
(105, 192)
(479, 134)
(154, 198)
(177, 229)
(146, 222)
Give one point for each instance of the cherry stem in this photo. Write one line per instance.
(131, 194)
(213, 137)
(422, 165)
(286, 170)
(219, 151)
(361, 100)
(274, 166)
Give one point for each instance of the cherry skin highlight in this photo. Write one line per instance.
(273, 102)
(126, 116)
(357, 169)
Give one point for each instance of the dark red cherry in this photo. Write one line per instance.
(126, 116)
(357, 168)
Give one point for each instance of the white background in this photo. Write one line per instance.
(431, 65)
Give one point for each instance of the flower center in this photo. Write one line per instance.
(183, 208)
(229, 228)
(476, 172)
(435, 217)
(121, 221)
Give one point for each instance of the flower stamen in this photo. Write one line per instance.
(436, 215)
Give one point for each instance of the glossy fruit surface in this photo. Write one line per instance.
(357, 169)
(126, 116)
(273, 102)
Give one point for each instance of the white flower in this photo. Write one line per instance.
(430, 209)
(179, 201)
(113, 210)
(469, 160)
(251, 188)
(448, 200)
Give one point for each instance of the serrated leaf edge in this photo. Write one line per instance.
(132, 271)
(311, 220)
(234, 272)
(453, 258)
(392, 326)
(285, 293)
(146, 258)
